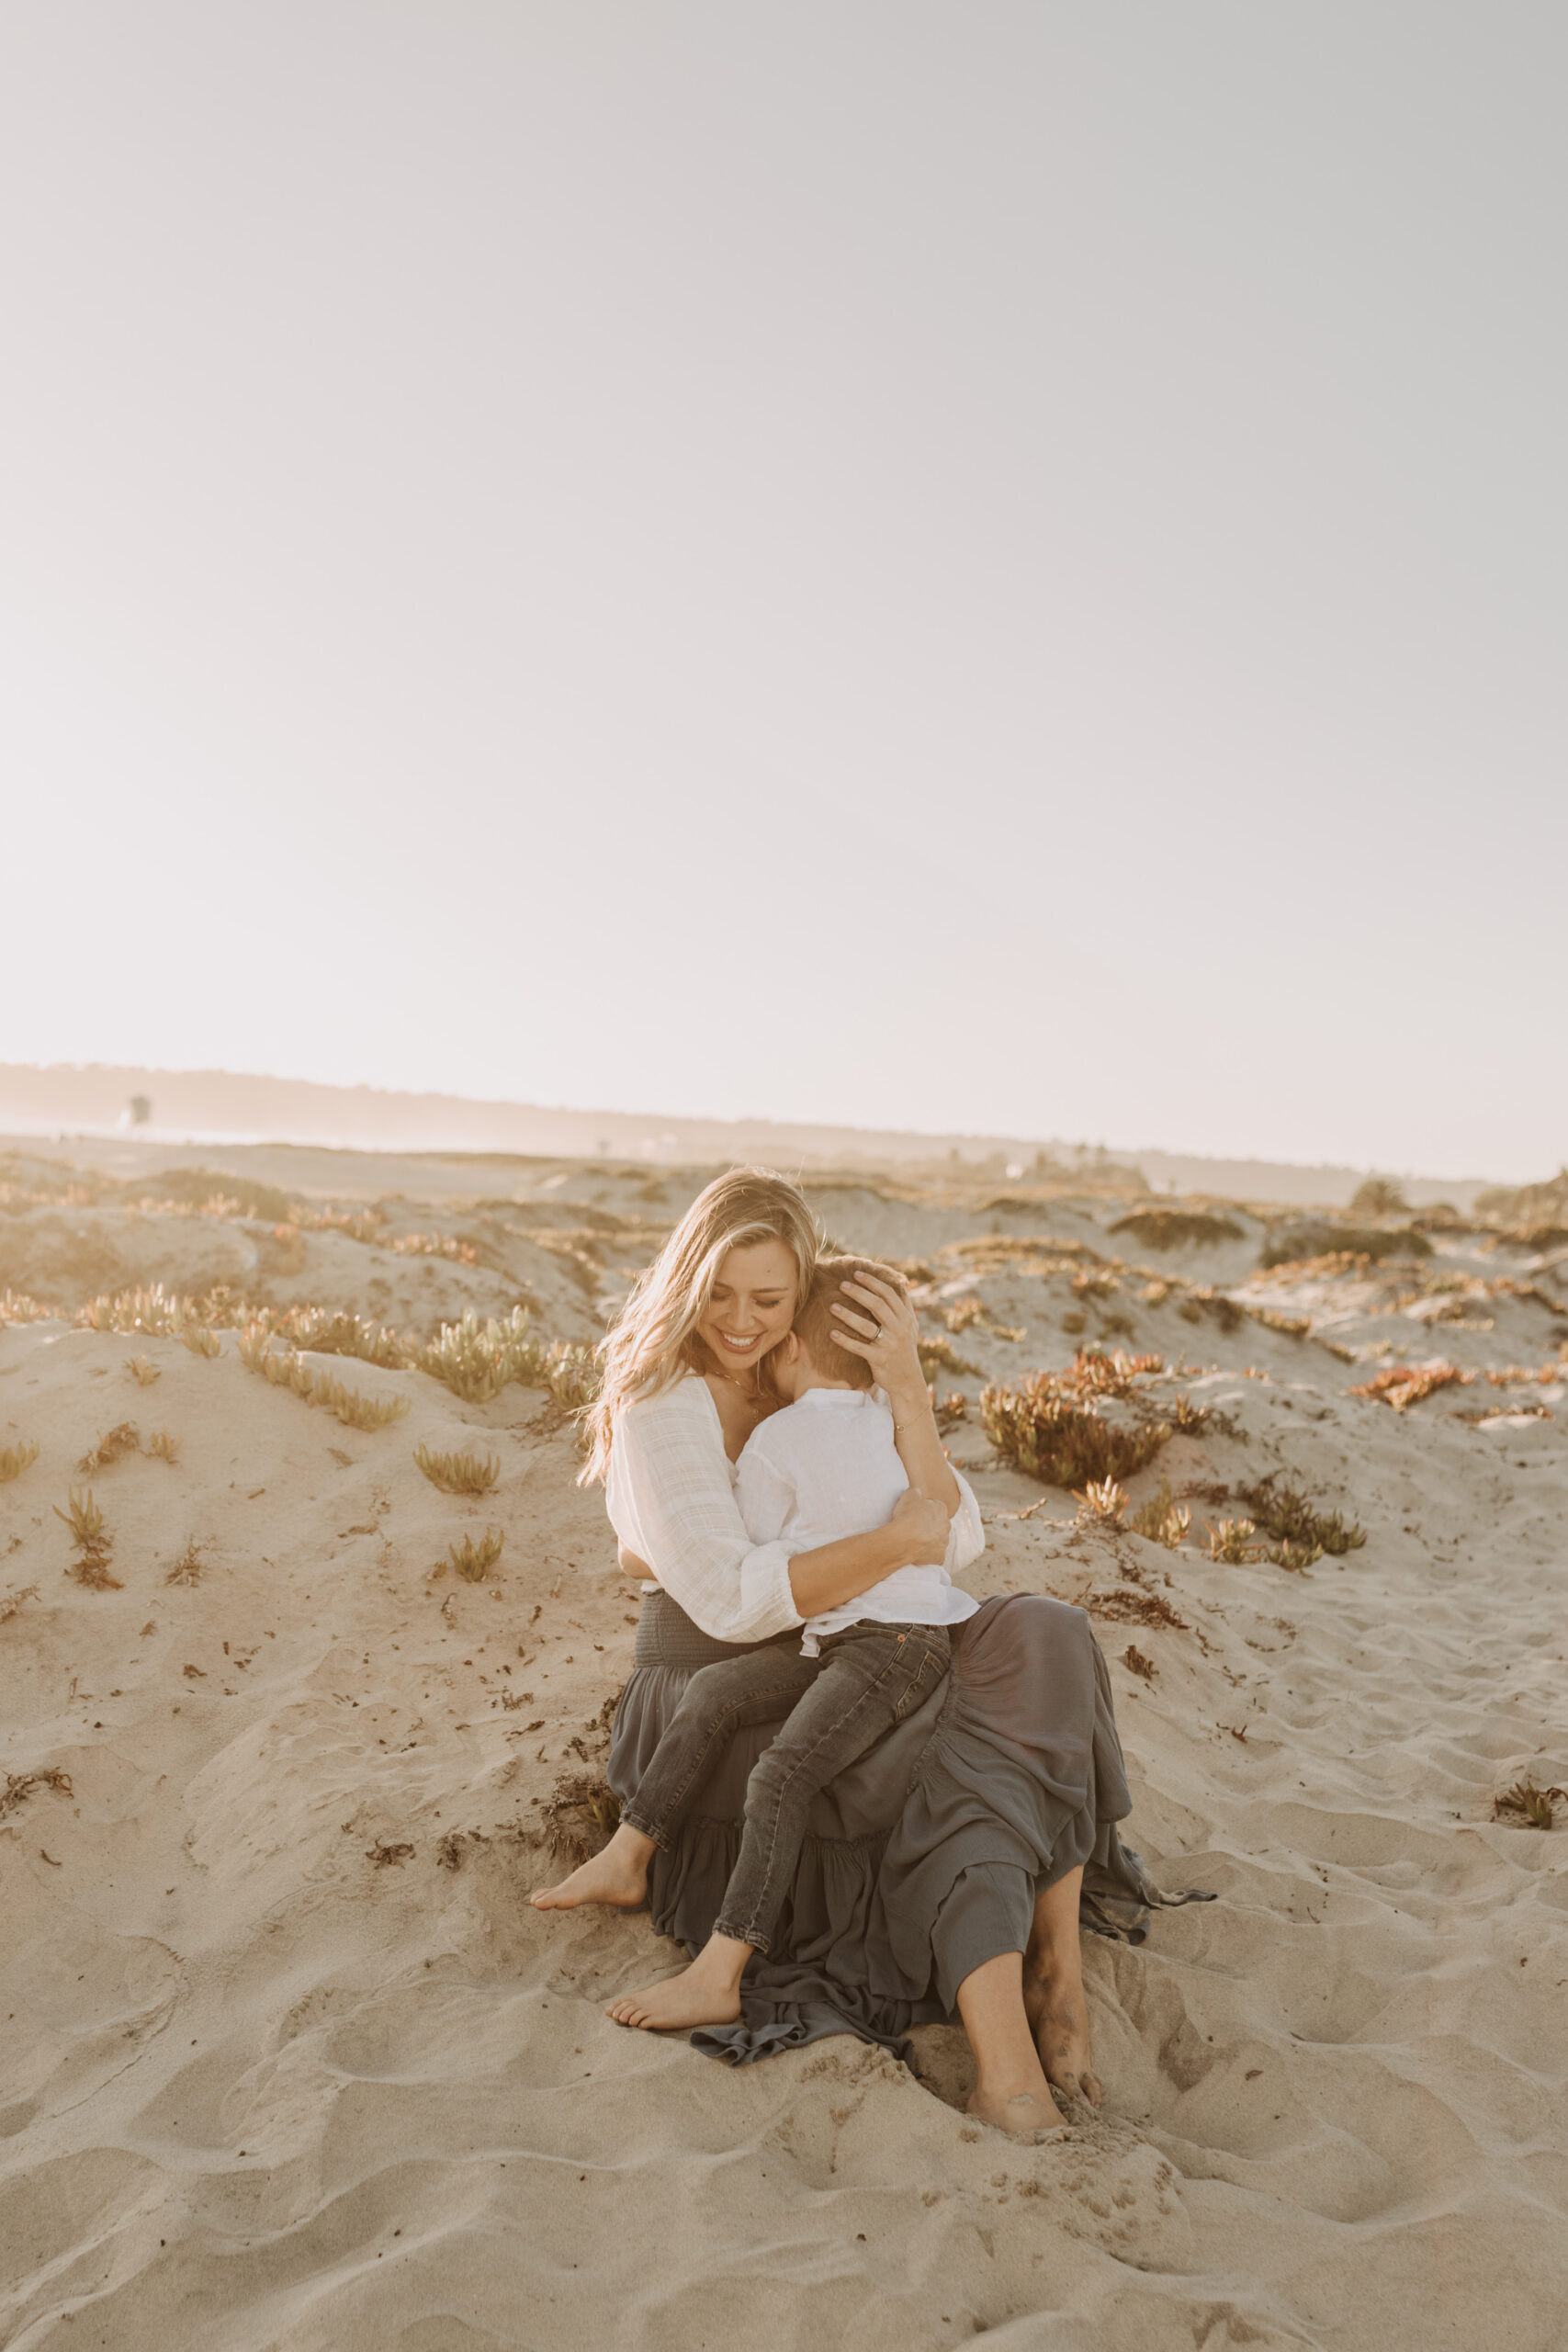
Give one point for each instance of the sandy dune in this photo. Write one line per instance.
(290, 2062)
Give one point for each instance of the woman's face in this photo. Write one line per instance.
(752, 1305)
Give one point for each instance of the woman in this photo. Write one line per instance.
(946, 1869)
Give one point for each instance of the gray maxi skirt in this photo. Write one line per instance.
(925, 1858)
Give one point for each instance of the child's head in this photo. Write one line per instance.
(816, 1354)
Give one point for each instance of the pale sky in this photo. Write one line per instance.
(982, 566)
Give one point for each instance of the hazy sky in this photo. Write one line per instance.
(978, 566)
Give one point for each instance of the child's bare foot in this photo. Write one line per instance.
(618, 1876)
(708, 1993)
(1021, 2110)
(1058, 2019)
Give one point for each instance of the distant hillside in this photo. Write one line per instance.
(195, 1106)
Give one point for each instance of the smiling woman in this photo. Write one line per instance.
(947, 1868)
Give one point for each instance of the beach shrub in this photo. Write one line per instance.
(1104, 1505)
(1285, 1514)
(1052, 1425)
(1162, 1228)
(1162, 1519)
(1379, 1197)
(1296, 1244)
(473, 1561)
(457, 1474)
(14, 1459)
(1403, 1384)
(93, 1543)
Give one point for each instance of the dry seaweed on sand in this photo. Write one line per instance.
(1403, 1384)
(123, 1438)
(457, 1474)
(14, 1459)
(1123, 1607)
(579, 1816)
(382, 1854)
(1526, 1806)
(1134, 1661)
(21, 1786)
(473, 1561)
(16, 1599)
(93, 1543)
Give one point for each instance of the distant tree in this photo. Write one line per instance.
(1379, 1197)
(140, 1109)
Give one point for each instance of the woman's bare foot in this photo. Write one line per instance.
(708, 1993)
(1026, 2110)
(618, 1876)
(1058, 2019)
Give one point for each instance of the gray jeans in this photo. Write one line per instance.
(832, 1710)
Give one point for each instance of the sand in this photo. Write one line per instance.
(290, 2062)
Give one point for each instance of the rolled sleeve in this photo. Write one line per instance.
(671, 1501)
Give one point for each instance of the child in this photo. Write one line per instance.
(825, 1467)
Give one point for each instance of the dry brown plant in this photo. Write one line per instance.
(14, 1459)
(16, 1599)
(1528, 1805)
(457, 1474)
(187, 1568)
(162, 1446)
(123, 1438)
(93, 1543)
(143, 1373)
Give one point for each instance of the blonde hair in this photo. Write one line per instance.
(814, 1326)
(654, 1341)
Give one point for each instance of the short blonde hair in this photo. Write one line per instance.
(816, 1324)
(654, 1341)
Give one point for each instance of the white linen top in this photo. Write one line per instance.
(670, 1496)
(825, 1467)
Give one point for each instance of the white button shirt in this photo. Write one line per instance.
(670, 1498)
(826, 1467)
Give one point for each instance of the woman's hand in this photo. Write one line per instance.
(922, 1525)
(887, 1335)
